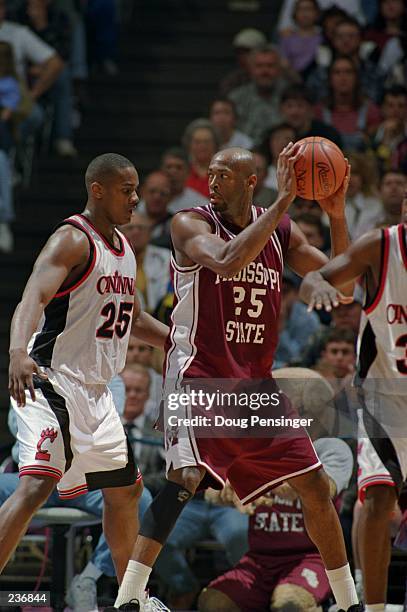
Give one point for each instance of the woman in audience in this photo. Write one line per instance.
(345, 108)
(201, 143)
(300, 46)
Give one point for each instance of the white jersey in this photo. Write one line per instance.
(84, 331)
(382, 344)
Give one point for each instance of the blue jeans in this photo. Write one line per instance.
(91, 502)
(101, 20)
(6, 191)
(198, 521)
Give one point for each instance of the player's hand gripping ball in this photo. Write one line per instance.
(321, 168)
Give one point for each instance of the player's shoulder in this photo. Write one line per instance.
(67, 241)
(182, 219)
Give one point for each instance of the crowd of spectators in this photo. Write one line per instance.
(332, 71)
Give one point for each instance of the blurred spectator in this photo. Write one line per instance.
(389, 33)
(9, 101)
(201, 142)
(78, 57)
(301, 206)
(208, 515)
(156, 194)
(315, 231)
(392, 191)
(297, 110)
(347, 41)
(102, 26)
(274, 142)
(363, 208)
(263, 196)
(338, 354)
(245, 41)
(153, 262)
(345, 108)
(300, 46)
(54, 28)
(296, 324)
(174, 163)
(223, 116)
(142, 354)
(258, 102)
(349, 7)
(31, 54)
(393, 129)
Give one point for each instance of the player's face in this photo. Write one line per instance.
(226, 186)
(120, 194)
(137, 391)
(341, 356)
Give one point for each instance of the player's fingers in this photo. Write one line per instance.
(20, 393)
(311, 304)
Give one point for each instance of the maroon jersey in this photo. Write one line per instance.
(279, 530)
(227, 327)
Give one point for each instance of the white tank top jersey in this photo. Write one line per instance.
(84, 331)
(382, 343)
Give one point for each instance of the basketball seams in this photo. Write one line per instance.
(325, 151)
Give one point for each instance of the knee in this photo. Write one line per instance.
(211, 600)
(35, 490)
(125, 497)
(189, 478)
(379, 502)
(316, 492)
(292, 598)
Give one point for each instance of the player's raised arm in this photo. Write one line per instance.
(147, 328)
(192, 236)
(321, 289)
(66, 250)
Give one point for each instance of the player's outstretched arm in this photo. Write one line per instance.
(191, 234)
(146, 328)
(321, 289)
(66, 249)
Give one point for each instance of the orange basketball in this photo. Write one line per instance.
(320, 169)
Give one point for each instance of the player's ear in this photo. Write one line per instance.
(96, 190)
(252, 182)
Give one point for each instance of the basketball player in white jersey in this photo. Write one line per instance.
(69, 337)
(380, 257)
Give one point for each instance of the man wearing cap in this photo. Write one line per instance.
(258, 101)
(244, 42)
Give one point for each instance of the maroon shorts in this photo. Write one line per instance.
(251, 582)
(254, 466)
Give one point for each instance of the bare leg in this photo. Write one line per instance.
(212, 600)
(321, 518)
(120, 523)
(374, 541)
(17, 512)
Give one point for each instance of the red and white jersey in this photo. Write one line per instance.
(382, 344)
(84, 330)
(227, 327)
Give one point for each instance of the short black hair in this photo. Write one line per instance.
(105, 165)
(350, 21)
(336, 334)
(395, 90)
(224, 100)
(296, 92)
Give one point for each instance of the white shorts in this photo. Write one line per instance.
(72, 432)
(382, 445)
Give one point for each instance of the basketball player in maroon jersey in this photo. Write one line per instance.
(228, 263)
(69, 431)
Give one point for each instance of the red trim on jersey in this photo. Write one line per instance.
(75, 492)
(383, 272)
(89, 267)
(402, 241)
(40, 470)
(375, 481)
(118, 252)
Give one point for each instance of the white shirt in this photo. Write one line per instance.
(189, 198)
(352, 7)
(362, 214)
(27, 46)
(239, 139)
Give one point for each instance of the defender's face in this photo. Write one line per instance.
(120, 194)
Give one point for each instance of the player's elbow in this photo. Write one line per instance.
(229, 264)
